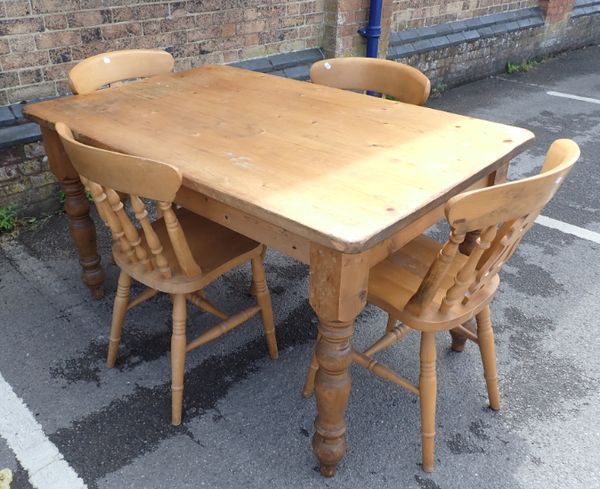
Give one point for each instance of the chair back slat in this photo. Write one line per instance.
(466, 275)
(156, 247)
(131, 234)
(110, 218)
(180, 245)
(110, 68)
(105, 173)
(435, 275)
(502, 248)
(388, 78)
(501, 214)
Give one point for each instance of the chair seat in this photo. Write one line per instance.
(215, 248)
(394, 281)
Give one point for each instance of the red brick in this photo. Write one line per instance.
(57, 39)
(228, 30)
(19, 44)
(177, 24)
(46, 89)
(30, 76)
(24, 60)
(87, 18)
(4, 46)
(9, 79)
(17, 8)
(52, 6)
(250, 27)
(58, 72)
(55, 22)
(24, 25)
(116, 31)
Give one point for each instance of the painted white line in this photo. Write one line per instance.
(574, 97)
(569, 228)
(37, 454)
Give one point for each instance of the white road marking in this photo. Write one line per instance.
(569, 228)
(574, 97)
(37, 454)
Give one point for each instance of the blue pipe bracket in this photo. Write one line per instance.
(372, 32)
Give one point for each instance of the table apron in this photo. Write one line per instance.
(255, 228)
(291, 244)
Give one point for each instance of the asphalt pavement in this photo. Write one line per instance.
(246, 424)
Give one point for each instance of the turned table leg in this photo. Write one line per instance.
(338, 290)
(77, 208)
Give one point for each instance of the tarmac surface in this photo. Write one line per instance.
(246, 424)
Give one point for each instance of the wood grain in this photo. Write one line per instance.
(338, 168)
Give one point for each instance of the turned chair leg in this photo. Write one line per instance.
(458, 340)
(259, 284)
(178, 344)
(391, 324)
(428, 393)
(118, 316)
(252, 290)
(485, 334)
(309, 384)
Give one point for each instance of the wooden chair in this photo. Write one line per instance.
(117, 66)
(179, 254)
(388, 78)
(432, 287)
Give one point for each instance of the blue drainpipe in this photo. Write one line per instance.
(373, 29)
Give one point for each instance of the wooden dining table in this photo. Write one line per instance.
(335, 179)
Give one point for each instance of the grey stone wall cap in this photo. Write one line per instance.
(510, 21)
(259, 64)
(422, 45)
(6, 117)
(17, 110)
(279, 62)
(456, 38)
(585, 7)
(585, 3)
(414, 41)
(300, 72)
(471, 36)
(21, 134)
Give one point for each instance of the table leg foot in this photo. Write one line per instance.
(328, 450)
(332, 390)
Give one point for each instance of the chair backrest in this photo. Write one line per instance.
(388, 78)
(502, 214)
(105, 173)
(107, 68)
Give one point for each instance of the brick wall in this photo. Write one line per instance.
(409, 14)
(26, 180)
(556, 10)
(40, 40)
(469, 61)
